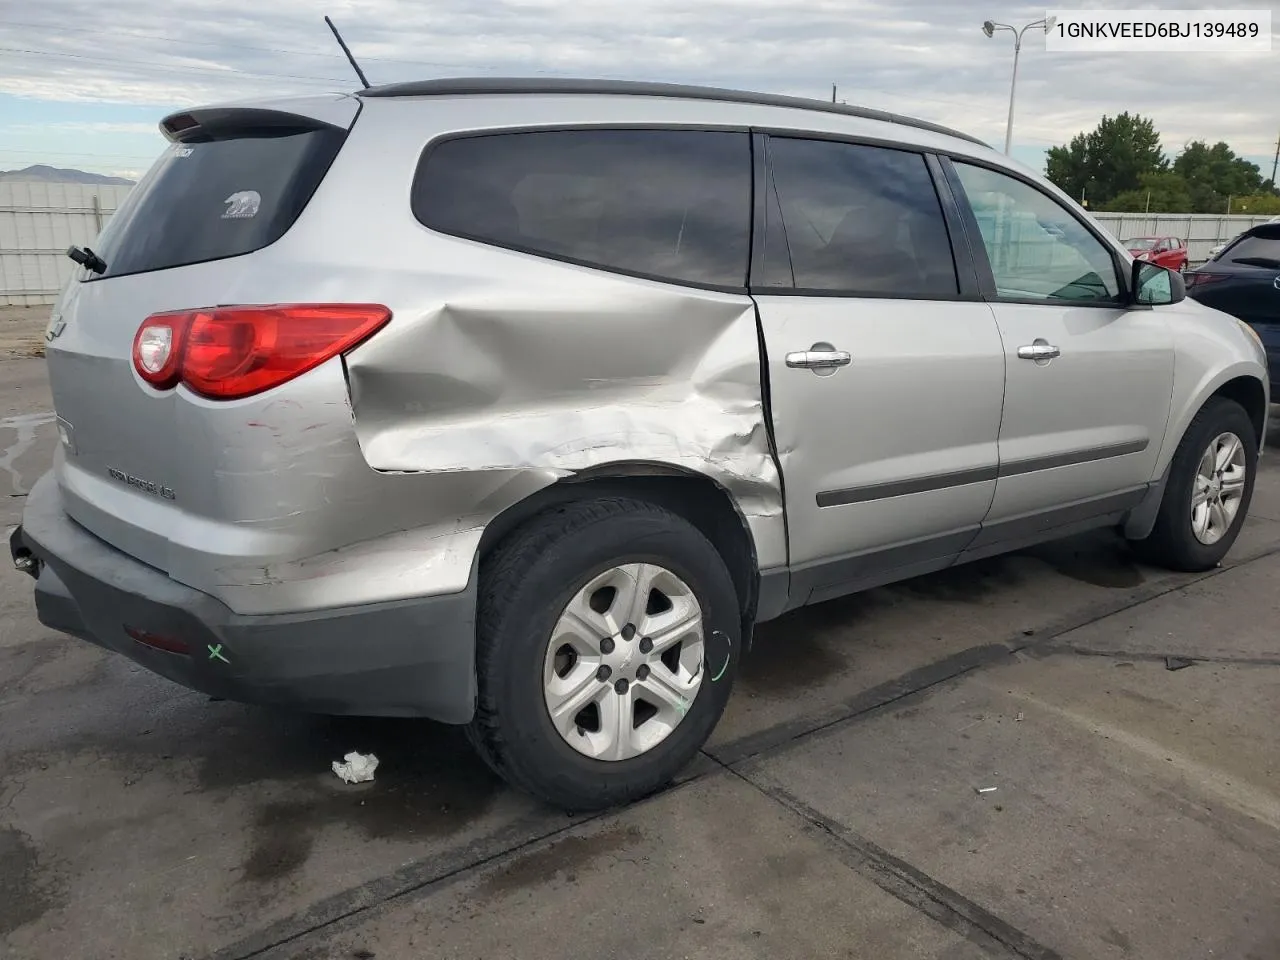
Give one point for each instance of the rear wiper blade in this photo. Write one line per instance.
(87, 259)
(1265, 262)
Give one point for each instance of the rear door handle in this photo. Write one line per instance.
(820, 358)
(1039, 350)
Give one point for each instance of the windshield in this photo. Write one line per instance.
(1140, 243)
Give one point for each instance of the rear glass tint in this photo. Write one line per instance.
(218, 198)
(1255, 248)
(671, 204)
(862, 219)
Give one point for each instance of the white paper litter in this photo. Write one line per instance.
(357, 768)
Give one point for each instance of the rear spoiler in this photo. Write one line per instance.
(219, 123)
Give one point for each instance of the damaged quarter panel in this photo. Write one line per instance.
(503, 362)
(534, 378)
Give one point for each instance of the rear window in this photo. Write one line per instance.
(218, 198)
(671, 204)
(1256, 251)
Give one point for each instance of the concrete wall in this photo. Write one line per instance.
(38, 221)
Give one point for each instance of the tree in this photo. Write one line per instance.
(1262, 204)
(1159, 193)
(1068, 167)
(1109, 160)
(1215, 173)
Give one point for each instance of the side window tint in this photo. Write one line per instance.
(666, 203)
(862, 219)
(1037, 250)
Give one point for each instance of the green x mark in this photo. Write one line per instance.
(215, 653)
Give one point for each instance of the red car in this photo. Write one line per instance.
(1163, 251)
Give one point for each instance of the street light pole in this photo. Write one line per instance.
(990, 28)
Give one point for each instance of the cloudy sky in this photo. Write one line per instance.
(83, 83)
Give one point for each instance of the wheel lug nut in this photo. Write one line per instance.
(642, 672)
(621, 685)
(628, 631)
(606, 645)
(646, 645)
(604, 673)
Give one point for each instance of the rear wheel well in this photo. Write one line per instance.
(696, 498)
(1249, 393)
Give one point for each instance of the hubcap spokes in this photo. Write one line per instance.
(624, 661)
(1218, 489)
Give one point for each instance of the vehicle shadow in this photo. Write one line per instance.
(428, 783)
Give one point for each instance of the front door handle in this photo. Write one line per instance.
(1040, 350)
(821, 358)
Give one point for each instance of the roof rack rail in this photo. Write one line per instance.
(461, 86)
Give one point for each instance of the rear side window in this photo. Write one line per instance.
(672, 204)
(862, 219)
(218, 198)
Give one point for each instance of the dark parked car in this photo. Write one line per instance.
(1244, 281)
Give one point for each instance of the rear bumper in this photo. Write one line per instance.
(402, 658)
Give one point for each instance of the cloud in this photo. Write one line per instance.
(928, 58)
(81, 126)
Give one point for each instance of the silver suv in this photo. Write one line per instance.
(517, 404)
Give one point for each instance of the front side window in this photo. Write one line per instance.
(672, 204)
(862, 219)
(1037, 250)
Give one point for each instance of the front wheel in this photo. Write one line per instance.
(607, 642)
(1208, 491)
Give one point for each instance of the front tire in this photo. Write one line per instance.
(607, 643)
(1208, 491)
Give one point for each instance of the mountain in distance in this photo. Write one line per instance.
(42, 173)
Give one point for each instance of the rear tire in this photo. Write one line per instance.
(542, 628)
(1204, 504)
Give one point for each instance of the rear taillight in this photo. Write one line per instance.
(229, 352)
(1193, 280)
(157, 349)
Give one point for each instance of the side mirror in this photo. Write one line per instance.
(1152, 285)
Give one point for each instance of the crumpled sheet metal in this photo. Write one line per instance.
(568, 383)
